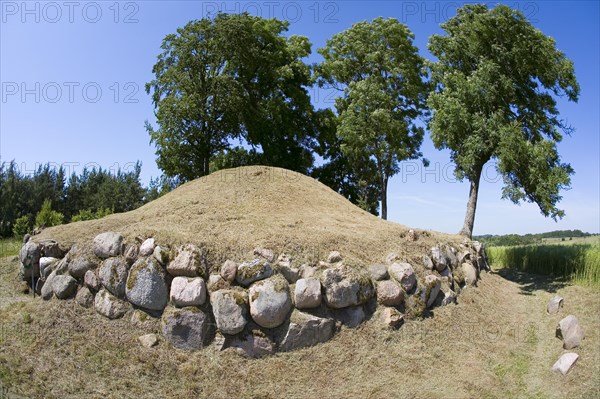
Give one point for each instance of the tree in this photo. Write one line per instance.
(276, 111)
(495, 79)
(231, 77)
(380, 73)
(352, 179)
(193, 96)
(47, 217)
(22, 226)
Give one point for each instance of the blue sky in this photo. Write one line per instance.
(72, 94)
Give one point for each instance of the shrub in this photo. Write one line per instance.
(47, 217)
(22, 226)
(88, 214)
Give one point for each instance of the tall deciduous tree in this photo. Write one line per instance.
(231, 77)
(380, 73)
(496, 80)
(194, 97)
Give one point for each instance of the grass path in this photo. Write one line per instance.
(498, 342)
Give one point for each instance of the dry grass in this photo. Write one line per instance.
(232, 211)
(498, 342)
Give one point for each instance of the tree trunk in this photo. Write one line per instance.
(384, 184)
(206, 165)
(467, 229)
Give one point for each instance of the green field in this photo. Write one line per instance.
(9, 246)
(576, 260)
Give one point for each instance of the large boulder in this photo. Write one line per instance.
(451, 257)
(131, 253)
(469, 273)
(91, 280)
(404, 274)
(186, 328)
(229, 270)
(50, 248)
(433, 285)
(391, 317)
(189, 262)
(570, 331)
(439, 258)
(307, 293)
(113, 275)
(251, 345)
(389, 293)
(110, 306)
(306, 330)
(80, 264)
(554, 305)
(85, 297)
(289, 271)
(162, 255)
(378, 272)
(46, 266)
(147, 247)
(29, 255)
(187, 291)
(334, 257)
(108, 244)
(216, 282)
(146, 285)
(230, 307)
(345, 287)
(249, 272)
(350, 317)
(64, 286)
(565, 362)
(428, 263)
(47, 291)
(270, 301)
(266, 254)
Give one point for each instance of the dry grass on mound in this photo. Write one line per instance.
(232, 211)
(498, 342)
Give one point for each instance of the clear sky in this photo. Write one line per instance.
(73, 76)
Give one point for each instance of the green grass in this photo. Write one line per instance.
(579, 263)
(9, 246)
(592, 240)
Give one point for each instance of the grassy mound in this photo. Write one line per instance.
(231, 212)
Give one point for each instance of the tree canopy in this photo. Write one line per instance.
(380, 76)
(496, 79)
(232, 77)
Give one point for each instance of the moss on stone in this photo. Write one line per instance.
(280, 284)
(133, 274)
(241, 298)
(255, 270)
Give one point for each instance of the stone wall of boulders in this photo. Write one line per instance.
(258, 306)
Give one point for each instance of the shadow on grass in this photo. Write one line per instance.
(530, 282)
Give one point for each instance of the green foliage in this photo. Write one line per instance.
(231, 77)
(159, 187)
(352, 179)
(88, 214)
(527, 239)
(380, 73)
(496, 79)
(233, 158)
(95, 189)
(580, 263)
(47, 217)
(10, 247)
(22, 226)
